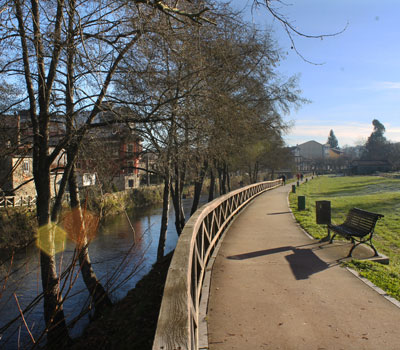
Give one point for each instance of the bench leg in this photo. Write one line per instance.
(372, 246)
(352, 248)
(365, 242)
(333, 236)
(327, 237)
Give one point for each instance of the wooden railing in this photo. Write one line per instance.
(15, 201)
(178, 322)
(23, 201)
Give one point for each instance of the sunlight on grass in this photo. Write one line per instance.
(373, 193)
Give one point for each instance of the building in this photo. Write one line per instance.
(308, 155)
(110, 156)
(16, 173)
(313, 156)
(365, 167)
(16, 163)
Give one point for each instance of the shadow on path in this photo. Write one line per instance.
(280, 213)
(303, 261)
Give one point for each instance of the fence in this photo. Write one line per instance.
(178, 322)
(14, 201)
(20, 201)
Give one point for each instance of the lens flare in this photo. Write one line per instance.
(51, 239)
(81, 226)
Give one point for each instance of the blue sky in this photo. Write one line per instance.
(360, 78)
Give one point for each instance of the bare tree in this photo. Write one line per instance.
(66, 54)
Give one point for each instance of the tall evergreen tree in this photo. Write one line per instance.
(377, 146)
(332, 140)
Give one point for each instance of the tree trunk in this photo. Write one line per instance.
(56, 326)
(222, 180)
(228, 178)
(176, 192)
(57, 332)
(254, 173)
(220, 185)
(212, 186)
(198, 185)
(164, 217)
(176, 201)
(96, 290)
(182, 179)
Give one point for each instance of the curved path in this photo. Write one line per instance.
(272, 287)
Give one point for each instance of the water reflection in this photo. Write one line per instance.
(118, 272)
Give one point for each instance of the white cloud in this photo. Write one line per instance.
(393, 134)
(346, 133)
(386, 85)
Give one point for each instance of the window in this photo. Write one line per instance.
(25, 166)
(130, 148)
(88, 179)
(130, 166)
(130, 183)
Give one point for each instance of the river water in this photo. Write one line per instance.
(121, 256)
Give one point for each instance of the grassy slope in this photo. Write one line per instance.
(372, 193)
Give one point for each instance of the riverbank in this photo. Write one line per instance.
(17, 228)
(18, 225)
(112, 204)
(130, 323)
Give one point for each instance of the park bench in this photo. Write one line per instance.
(358, 227)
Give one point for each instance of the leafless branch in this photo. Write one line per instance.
(290, 29)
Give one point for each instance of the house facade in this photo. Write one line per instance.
(16, 162)
(16, 174)
(110, 156)
(313, 156)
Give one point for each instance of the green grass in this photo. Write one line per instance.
(386, 277)
(372, 193)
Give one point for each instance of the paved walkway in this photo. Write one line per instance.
(272, 287)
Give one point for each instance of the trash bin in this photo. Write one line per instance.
(301, 202)
(323, 212)
(293, 188)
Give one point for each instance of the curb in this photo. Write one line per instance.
(374, 287)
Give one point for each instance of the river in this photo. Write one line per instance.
(120, 256)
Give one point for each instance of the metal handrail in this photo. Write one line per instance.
(178, 320)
